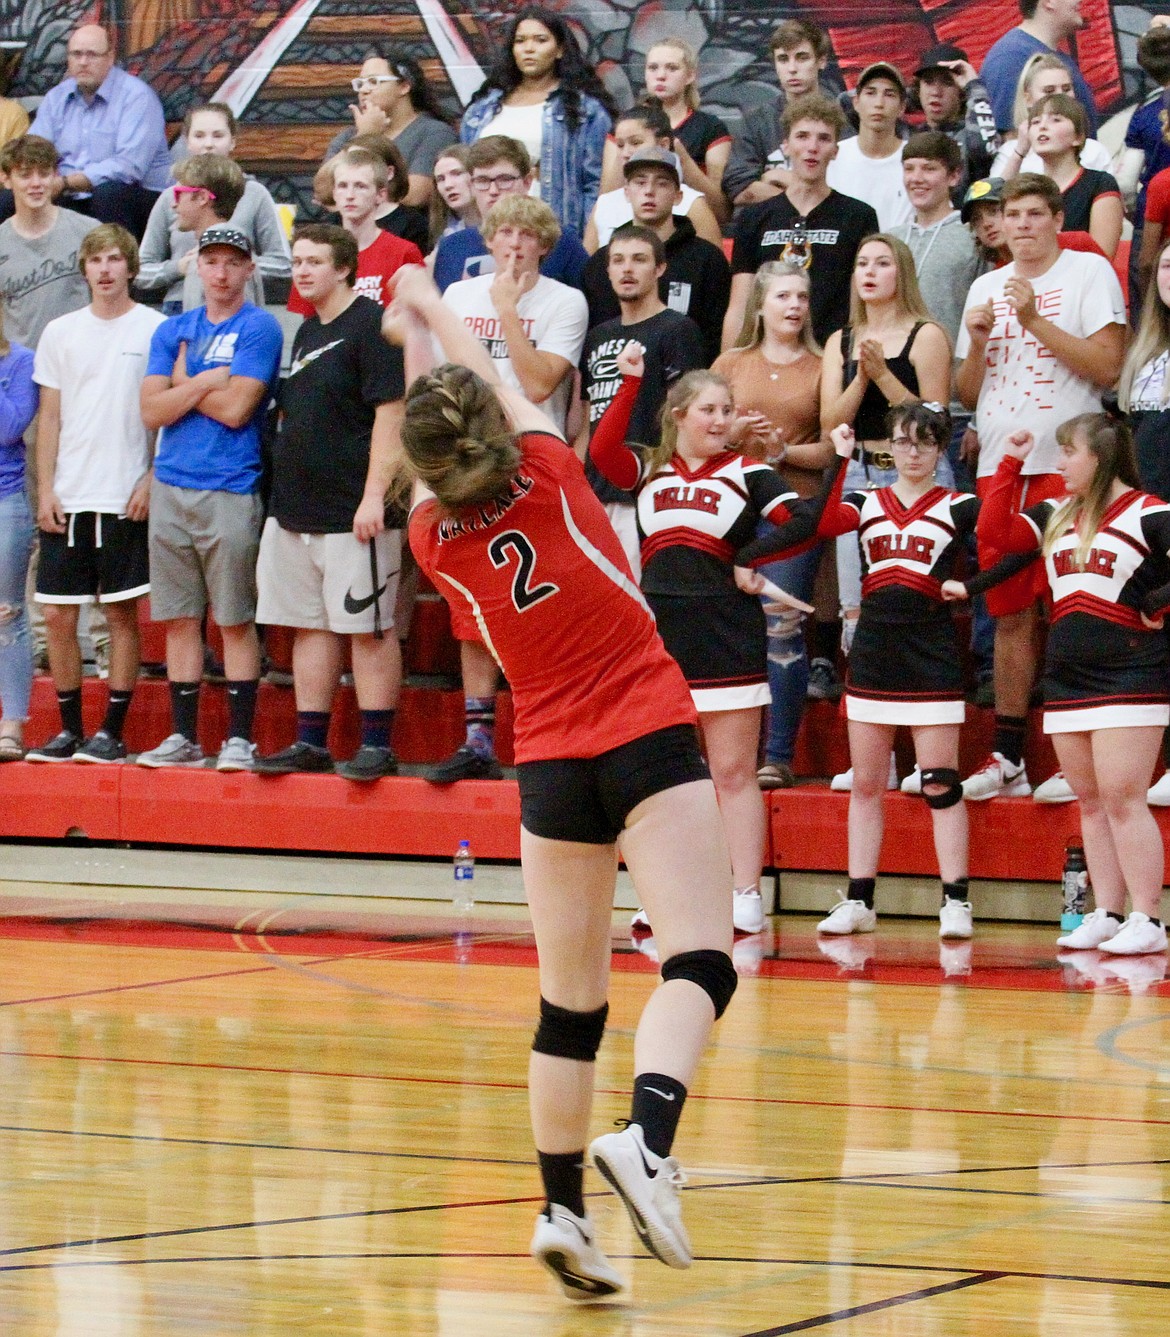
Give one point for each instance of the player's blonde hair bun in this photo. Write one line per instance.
(457, 437)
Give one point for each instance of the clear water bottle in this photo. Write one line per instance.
(463, 892)
(1074, 885)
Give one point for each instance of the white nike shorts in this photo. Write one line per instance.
(327, 582)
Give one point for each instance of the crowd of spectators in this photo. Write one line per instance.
(940, 234)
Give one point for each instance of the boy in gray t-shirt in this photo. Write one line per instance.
(40, 278)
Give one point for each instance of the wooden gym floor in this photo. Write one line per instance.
(264, 1131)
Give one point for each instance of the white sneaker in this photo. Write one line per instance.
(564, 1243)
(842, 782)
(913, 782)
(1056, 789)
(1096, 927)
(1138, 935)
(849, 917)
(1158, 795)
(237, 754)
(650, 1187)
(954, 919)
(174, 750)
(996, 778)
(747, 912)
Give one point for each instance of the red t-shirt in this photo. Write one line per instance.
(546, 580)
(1158, 198)
(382, 258)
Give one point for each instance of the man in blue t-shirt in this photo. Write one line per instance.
(1046, 24)
(209, 379)
(501, 166)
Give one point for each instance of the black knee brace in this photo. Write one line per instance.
(565, 1034)
(942, 775)
(712, 971)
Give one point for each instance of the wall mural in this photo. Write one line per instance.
(284, 65)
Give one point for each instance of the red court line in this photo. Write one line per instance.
(1028, 976)
(601, 1091)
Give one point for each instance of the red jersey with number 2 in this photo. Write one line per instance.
(548, 585)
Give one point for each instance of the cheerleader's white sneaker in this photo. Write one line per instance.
(1138, 935)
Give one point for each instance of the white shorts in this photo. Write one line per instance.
(326, 582)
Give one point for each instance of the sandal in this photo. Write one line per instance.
(11, 748)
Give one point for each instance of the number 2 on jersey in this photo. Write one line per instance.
(513, 543)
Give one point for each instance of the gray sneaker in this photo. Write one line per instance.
(174, 750)
(237, 754)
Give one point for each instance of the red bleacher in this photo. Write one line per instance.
(1010, 838)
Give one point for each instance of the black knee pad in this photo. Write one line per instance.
(942, 775)
(712, 971)
(565, 1034)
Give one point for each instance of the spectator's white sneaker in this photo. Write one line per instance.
(564, 1243)
(913, 782)
(237, 754)
(650, 1187)
(996, 778)
(1056, 789)
(174, 750)
(747, 912)
(1096, 927)
(842, 782)
(849, 917)
(1138, 935)
(955, 920)
(1158, 794)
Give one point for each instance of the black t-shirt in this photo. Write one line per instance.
(1078, 198)
(698, 132)
(697, 283)
(339, 375)
(410, 224)
(829, 236)
(673, 346)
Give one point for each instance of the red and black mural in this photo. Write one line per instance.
(284, 65)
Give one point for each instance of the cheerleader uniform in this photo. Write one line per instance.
(695, 526)
(1104, 668)
(904, 665)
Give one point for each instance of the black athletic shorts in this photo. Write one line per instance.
(99, 557)
(588, 799)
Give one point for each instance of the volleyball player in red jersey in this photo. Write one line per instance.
(506, 525)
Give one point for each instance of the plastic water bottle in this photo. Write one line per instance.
(1074, 884)
(463, 892)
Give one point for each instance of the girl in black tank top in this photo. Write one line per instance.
(869, 423)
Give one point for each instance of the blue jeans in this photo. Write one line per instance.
(16, 659)
(787, 656)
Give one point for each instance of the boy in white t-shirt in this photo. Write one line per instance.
(533, 329)
(870, 167)
(1041, 339)
(94, 470)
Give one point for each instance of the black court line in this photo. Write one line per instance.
(264, 1146)
(369, 1213)
(875, 1306)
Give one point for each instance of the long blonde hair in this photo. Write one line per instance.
(907, 293)
(1151, 341)
(1109, 440)
(751, 334)
(682, 395)
(690, 60)
(1043, 60)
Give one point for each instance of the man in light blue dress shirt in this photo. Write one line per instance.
(109, 129)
